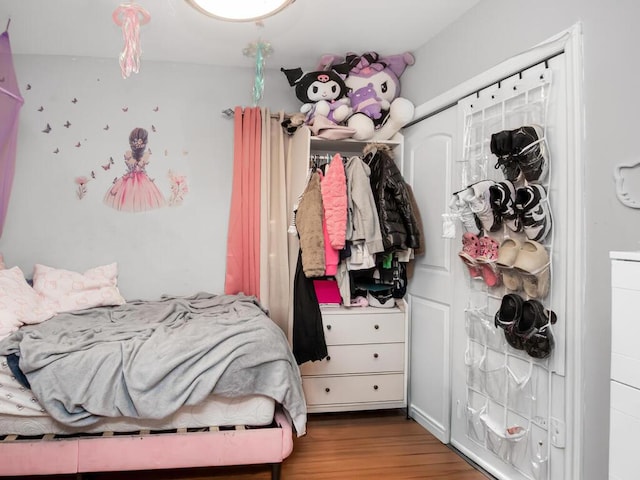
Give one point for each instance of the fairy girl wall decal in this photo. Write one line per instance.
(135, 191)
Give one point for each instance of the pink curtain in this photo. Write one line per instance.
(10, 103)
(243, 240)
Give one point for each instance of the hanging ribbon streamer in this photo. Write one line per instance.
(130, 16)
(260, 50)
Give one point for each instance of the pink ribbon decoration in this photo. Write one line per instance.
(130, 17)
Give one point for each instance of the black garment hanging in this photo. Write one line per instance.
(308, 334)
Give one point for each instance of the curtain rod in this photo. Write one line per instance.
(230, 112)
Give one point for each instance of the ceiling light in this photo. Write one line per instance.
(240, 10)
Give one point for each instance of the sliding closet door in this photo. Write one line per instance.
(430, 151)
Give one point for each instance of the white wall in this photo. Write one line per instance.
(499, 29)
(174, 250)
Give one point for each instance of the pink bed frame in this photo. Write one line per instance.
(139, 451)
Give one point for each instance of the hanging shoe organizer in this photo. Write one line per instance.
(509, 390)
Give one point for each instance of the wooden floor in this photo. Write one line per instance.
(369, 445)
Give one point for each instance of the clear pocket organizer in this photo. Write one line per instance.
(520, 385)
(472, 359)
(538, 454)
(475, 325)
(507, 442)
(493, 372)
(476, 407)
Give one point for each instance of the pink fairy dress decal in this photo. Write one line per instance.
(135, 191)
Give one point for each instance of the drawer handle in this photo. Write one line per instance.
(327, 389)
(376, 326)
(375, 387)
(375, 355)
(328, 327)
(328, 357)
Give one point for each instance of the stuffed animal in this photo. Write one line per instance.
(364, 100)
(383, 73)
(323, 92)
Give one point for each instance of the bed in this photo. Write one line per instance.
(203, 380)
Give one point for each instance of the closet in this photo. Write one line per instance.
(467, 385)
(366, 366)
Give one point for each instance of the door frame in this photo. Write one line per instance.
(568, 42)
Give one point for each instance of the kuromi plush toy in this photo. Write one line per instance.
(371, 74)
(322, 92)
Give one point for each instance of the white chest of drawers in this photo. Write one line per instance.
(366, 364)
(624, 432)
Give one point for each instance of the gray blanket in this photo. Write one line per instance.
(146, 359)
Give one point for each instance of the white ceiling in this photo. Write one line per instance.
(177, 32)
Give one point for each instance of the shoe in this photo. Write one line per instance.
(508, 316)
(521, 153)
(470, 252)
(507, 256)
(477, 196)
(533, 207)
(533, 329)
(502, 196)
(486, 259)
(460, 208)
(530, 152)
(533, 264)
(502, 147)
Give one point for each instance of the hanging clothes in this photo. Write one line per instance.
(308, 335)
(309, 224)
(398, 224)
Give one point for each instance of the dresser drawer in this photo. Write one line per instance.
(625, 336)
(625, 274)
(368, 358)
(353, 389)
(363, 327)
(624, 448)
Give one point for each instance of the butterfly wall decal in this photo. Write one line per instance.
(67, 124)
(47, 129)
(41, 108)
(106, 127)
(125, 109)
(75, 100)
(57, 150)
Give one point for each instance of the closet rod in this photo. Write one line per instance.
(477, 91)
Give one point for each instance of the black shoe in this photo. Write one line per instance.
(533, 208)
(502, 196)
(533, 329)
(508, 316)
(530, 152)
(502, 147)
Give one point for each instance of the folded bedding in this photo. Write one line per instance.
(146, 359)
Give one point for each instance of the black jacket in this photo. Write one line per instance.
(398, 223)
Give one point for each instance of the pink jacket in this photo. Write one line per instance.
(334, 201)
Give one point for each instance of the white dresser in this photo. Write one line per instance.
(366, 364)
(624, 437)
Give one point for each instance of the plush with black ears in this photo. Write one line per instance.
(322, 92)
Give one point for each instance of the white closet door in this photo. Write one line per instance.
(430, 151)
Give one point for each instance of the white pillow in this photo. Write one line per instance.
(19, 303)
(66, 291)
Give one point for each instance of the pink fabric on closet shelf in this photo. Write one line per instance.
(243, 237)
(10, 103)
